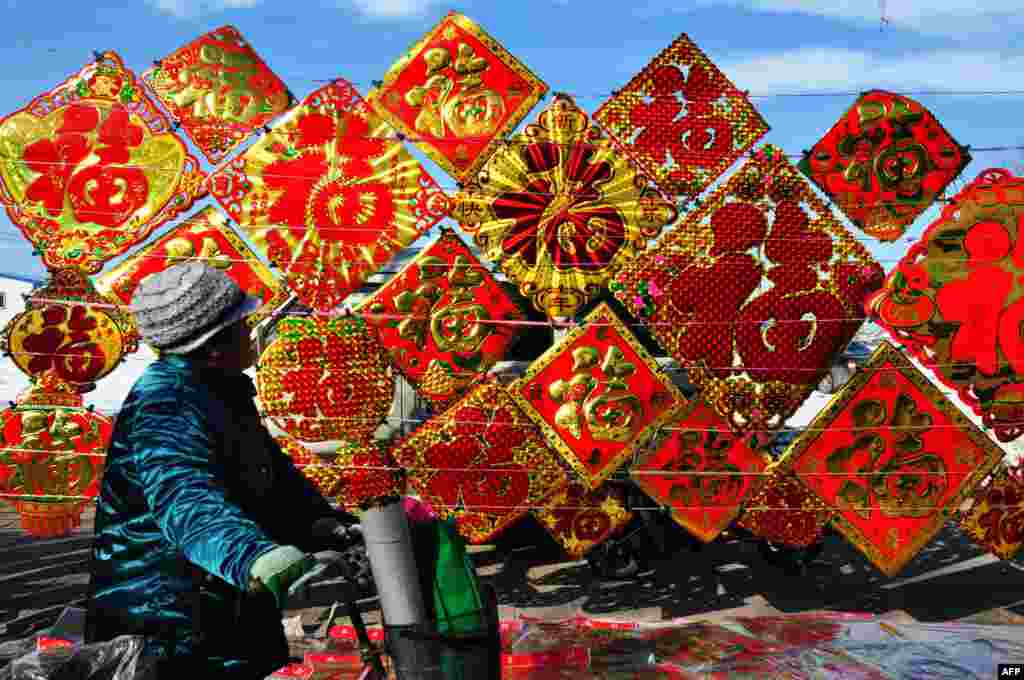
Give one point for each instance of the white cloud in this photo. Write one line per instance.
(192, 8)
(393, 9)
(836, 69)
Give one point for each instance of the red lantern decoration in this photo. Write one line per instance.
(219, 89)
(580, 519)
(893, 457)
(952, 300)
(885, 162)
(682, 120)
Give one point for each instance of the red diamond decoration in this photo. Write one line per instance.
(580, 519)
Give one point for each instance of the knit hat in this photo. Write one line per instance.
(178, 309)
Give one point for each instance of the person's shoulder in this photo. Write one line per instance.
(170, 382)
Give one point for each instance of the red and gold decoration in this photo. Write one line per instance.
(324, 379)
(91, 168)
(329, 195)
(682, 120)
(70, 329)
(442, 318)
(885, 162)
(755, 292)
(700, 470)
(219, 89)
(205, 236)
(955, 300)
(482, 461)
(597, 395)
(580, 519)
(561, 208)
(368, 475)
(894, 458)
(52, 456)
(995, 520)
(457, 93)
(783, 511)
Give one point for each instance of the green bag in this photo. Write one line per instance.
(458, 606)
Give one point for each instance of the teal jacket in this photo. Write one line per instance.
(194, 490)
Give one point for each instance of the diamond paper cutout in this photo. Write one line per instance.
(580, 519)
(885, 162)
(219, 89)
(785, 512)
(699, 441)
(482, 461)
(754, 292)
(894, 458)
(560, 208)
(995, 520)
(205, 236)
(953, 300)
(91, 168)
(457, 94)
(597, 395)
(329, 196)
(682, 120)
(441, 319)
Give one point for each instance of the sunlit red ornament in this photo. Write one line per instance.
(785, 512)
(70, 329)
(885, 162)
(952, 300)
(457, 93)
(92, 167)
(581, 519)
(758, 290)
(219, 89)
(207, 237)
(367, 475)
(892, 457)
(682, 120)
(995, 519)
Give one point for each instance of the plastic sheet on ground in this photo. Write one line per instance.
(122, 658)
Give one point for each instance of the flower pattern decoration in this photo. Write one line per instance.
(444, 319)
(597, 395)
(699, 469)
(885, 162)
(954, 300)
(329, 195)
(71, 330)
(581, 519)
(325, 379)
(457, 93)
(893, 457)
(995, 520)
(682, 120)
(481, 462)
(755, 292)
(561, 209)
(219, 89)
(205, 236)
(785, 512)
(92, 168)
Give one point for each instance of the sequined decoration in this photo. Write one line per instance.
(482, 462)
(457, 94)
(206, 236)
(560, 208)
(785, 512)
(70, 329)
(597, 395)
(368, 475)
(893, 457)
(329, 195)
(443, 319)
(754, 292)
(885, 162)
(682, 120)
(995, 520)
(952, 300)
(92, 167)
(580, 519)
(325, 379)
(323, 475)
(219, 89)
(723, 471)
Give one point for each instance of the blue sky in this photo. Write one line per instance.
(585, 48)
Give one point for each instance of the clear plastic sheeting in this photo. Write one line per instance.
(122, 658)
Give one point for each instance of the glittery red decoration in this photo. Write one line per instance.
(580, 519)
(785, 512)
(885, 162)
(995, 520)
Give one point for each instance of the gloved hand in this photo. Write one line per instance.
(286, 571)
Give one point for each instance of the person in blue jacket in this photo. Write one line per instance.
(203, 525)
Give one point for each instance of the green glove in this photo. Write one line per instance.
(278, 570)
